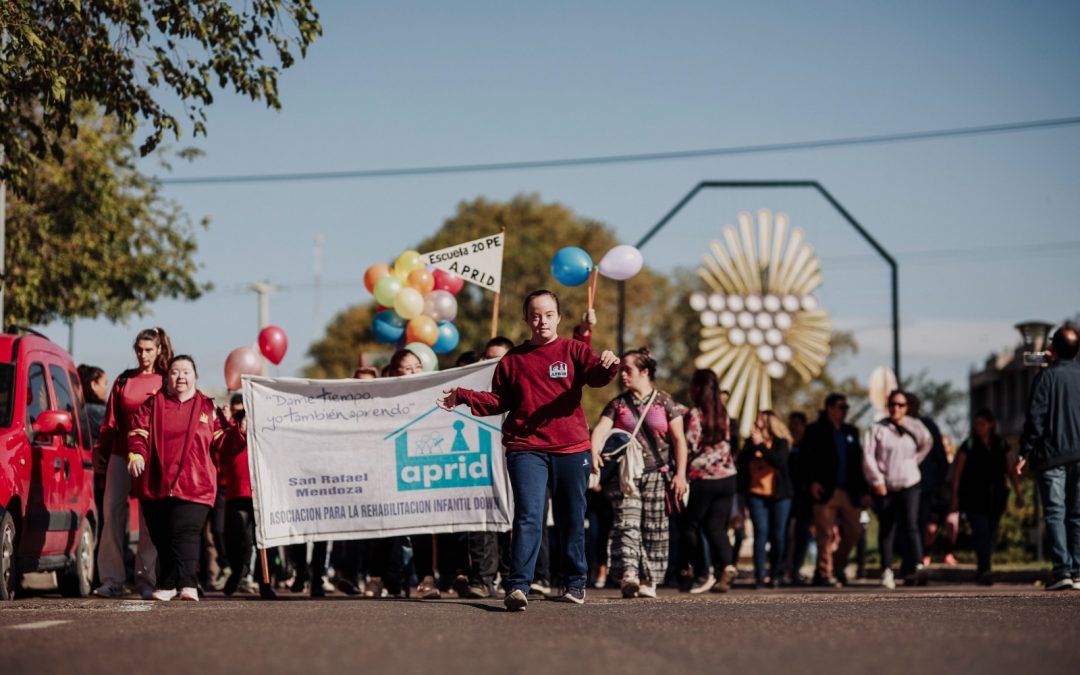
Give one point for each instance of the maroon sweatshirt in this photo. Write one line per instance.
(540, 387)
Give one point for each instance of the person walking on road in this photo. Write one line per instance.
(894, 448)
(766, 483)
(132, 388)
(171, 444)
(539, 384)
(1051, 444)
(640, 535)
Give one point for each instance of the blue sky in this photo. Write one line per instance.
(406, 84)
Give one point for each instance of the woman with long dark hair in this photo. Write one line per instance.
(132, 388)
(712, 485)
(983, 462)
(766, 482)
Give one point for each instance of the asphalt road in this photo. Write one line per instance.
(953, 630)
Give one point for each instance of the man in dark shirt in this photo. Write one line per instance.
(1051, 443)
(831, 458)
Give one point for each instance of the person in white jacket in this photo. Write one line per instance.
(893, 449)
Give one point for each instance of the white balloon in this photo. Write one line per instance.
(698, 302)
(736, 337)
(441, 305)
(621, 262)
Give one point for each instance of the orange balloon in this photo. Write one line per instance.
(373, 274)
(421, 280)
(422, 329)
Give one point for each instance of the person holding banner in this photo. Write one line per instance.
(539, 384)
(170, 446)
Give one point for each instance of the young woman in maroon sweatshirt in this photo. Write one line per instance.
(539, 384)
(170, 446)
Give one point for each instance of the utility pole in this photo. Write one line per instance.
(319, 239)
(264, 289)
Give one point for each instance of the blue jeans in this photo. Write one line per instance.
(568, 476)
(1059, 489)
(770, 517)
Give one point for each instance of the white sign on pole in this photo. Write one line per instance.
(357, 459)
(478, 261)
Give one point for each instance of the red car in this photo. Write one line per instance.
(47, 512)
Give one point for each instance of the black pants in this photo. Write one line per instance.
(451, 556)
(314, 573)
(709, 509)
(898, 511)
(483, 550)
(349, 558)
(601, 517)
(175, 528)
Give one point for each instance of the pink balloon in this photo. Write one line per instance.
(448, 281)
(241, 361)
(273, 343)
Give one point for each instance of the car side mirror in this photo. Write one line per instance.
(53, 423)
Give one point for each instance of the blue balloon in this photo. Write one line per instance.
(571, 266)
(387, 327)
(448, 338)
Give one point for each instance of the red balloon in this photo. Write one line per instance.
(241, 361)
(448, 281)
(273, 343)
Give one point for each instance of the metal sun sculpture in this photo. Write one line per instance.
(760, 318)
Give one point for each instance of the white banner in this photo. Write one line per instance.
(478, 262)
(357, 459)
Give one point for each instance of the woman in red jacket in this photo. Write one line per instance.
(170, 447)
(153, 351)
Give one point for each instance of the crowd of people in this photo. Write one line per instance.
(652, 494)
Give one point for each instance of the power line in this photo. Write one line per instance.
(625, 159)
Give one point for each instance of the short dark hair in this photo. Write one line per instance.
(236, 399)
(797, 415)
(987, 414)
(183, 357)
(469, 357)
(912, 404)
(536, 294)
(88, 374)
(834, 398)
(1065, 343)
(499, 341)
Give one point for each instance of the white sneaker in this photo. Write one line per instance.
(189, 594)
(109, 591)
(541, 588)
(888, 580)
(164, 594)
(1062, 584)
(647, 590)
(703, 586)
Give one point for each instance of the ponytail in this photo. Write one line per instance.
(158, 336)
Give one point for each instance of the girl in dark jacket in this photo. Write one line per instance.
(766, 483)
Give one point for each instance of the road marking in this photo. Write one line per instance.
(136, 606)
(38, 624)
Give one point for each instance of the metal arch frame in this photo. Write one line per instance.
(894, 273)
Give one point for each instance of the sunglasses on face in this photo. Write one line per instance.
(897, 404)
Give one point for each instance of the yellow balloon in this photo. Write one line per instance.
(407, 262)
(409, 303)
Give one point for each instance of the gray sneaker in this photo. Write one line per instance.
(1062, 584)
(516, 601)
(110, 591)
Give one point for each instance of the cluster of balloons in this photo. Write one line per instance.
(273, 343)
(572, 266)
(417, 306)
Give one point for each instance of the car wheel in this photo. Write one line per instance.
(9, 575)
(77, 579)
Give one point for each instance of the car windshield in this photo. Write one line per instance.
(7, 393)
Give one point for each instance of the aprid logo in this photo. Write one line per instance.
(452, 456)
(558, 370)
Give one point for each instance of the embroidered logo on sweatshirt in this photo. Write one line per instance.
(204, 418)
(558, 370)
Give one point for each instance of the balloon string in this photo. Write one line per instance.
(592, 287)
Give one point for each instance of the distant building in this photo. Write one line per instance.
(1002, 386)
